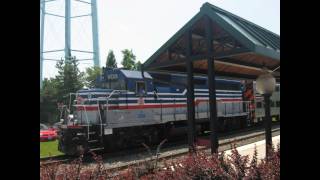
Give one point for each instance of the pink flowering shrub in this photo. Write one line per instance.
(198, 165)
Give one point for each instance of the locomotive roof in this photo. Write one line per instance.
(135, 74)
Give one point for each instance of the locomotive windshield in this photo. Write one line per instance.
(117, 84)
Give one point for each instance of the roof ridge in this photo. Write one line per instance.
(206, 4)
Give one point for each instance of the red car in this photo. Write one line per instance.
(47, 134)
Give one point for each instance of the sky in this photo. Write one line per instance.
(141, 25)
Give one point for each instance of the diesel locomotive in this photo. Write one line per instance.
(127, 108)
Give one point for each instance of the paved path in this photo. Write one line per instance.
(249, 148)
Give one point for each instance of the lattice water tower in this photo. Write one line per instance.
(67, 36)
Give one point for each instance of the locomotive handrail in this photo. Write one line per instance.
(100, 119)
(70, 94)
(111, 94)
(86, 114)
(114, 91)
(84, 107)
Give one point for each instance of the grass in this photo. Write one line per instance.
(49, 148)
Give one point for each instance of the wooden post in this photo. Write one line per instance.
(190, 93)
(212, 88)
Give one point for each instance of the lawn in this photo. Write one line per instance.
(49, 149)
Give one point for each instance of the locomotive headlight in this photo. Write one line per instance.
(266, 83)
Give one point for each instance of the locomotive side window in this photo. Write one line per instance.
(140, 88)
(116, 84)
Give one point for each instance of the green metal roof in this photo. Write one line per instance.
(265, 42)
(256, 39)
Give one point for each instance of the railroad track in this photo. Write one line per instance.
(225, 139)
(224, 144)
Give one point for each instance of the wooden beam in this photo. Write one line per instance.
(212, 88)
(190, 93)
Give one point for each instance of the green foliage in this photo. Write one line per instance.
(128, 61)
(48, 100)
(55, 90)
(69, 78)
(92, 73)
(111, 60)
(137, 66)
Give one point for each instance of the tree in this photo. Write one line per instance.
(56, 90)
(69, 78)
(48, 100)
(111, 60)
(92, 73)
(128, 61)
(137, 66)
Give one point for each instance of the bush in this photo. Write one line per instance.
(199, 165)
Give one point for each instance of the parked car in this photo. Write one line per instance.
(47, 134)
(56, 126)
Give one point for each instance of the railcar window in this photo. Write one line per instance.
(278, 103)
(277, 88)
(259, 104)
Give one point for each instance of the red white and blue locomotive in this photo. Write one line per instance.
(127, 109)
